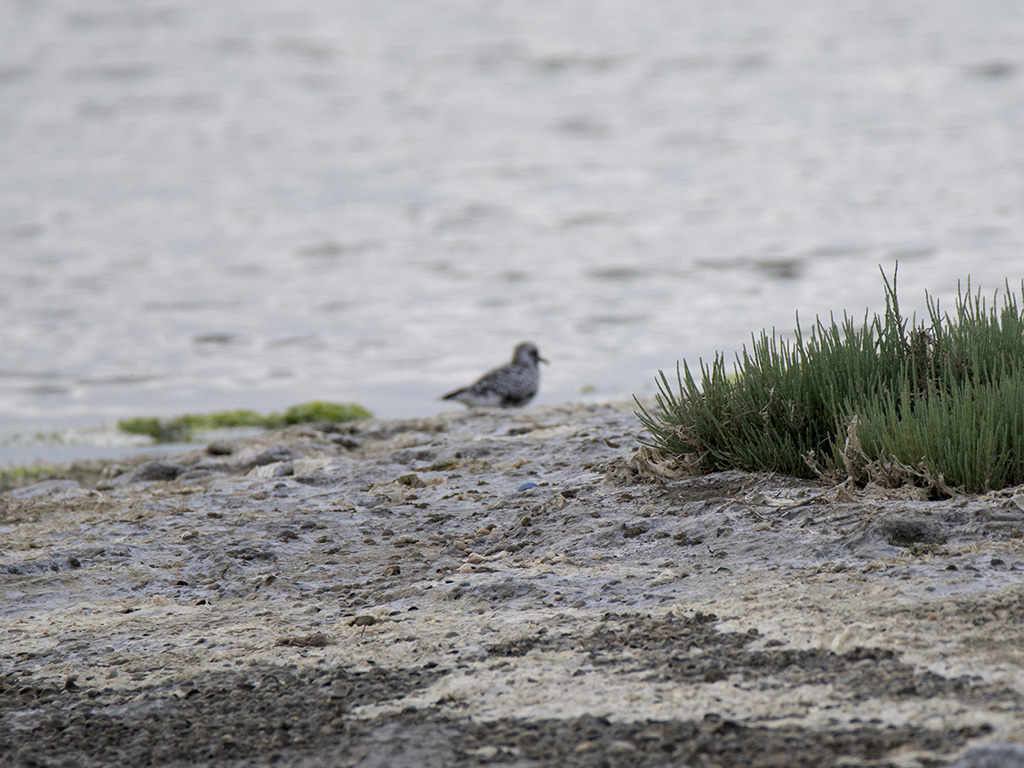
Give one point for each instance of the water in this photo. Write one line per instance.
(208, 205)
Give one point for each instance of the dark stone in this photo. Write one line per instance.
(273, 455)
(907, 530)
(156, 470)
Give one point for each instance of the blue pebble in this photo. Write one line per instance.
(524, 486)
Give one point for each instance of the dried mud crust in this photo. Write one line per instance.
(415, 739)
(285, 715)
(499, 588)
(665, 651)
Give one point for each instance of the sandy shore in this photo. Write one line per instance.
(502, 588)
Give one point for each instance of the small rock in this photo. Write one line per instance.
(273, 455)
(275, 469)
(474, 652)
(251, 553)
(315, 640)
(153, 471)
(193, 475)
(44, 488)
(668, 576)
(621, 748)
(220, 448)
(242, 683)
(632, 531)
(345, 441)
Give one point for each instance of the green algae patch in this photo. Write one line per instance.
(20, 476)
(181, 428)
(317, 410)
(184, 428)
(17, 477)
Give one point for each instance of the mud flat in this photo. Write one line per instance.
(512, 588)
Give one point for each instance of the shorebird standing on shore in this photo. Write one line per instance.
(510, 386)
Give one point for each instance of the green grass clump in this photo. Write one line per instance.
(184, 428)
(940, 403)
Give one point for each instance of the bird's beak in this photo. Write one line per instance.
(543, 360)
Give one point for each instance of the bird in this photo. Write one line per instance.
(510, 386)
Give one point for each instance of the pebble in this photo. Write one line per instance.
(153, 471)
(220, 448)
(667, 576)
(44, 488)
(621, 748)
(276, 469)
(474, 652)
(273, 455)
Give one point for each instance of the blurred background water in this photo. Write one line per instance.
(209, 205)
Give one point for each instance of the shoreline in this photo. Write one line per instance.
(508, 587)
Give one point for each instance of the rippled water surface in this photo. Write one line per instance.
(210, 205)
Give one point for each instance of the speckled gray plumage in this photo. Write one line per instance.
(510, 386)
